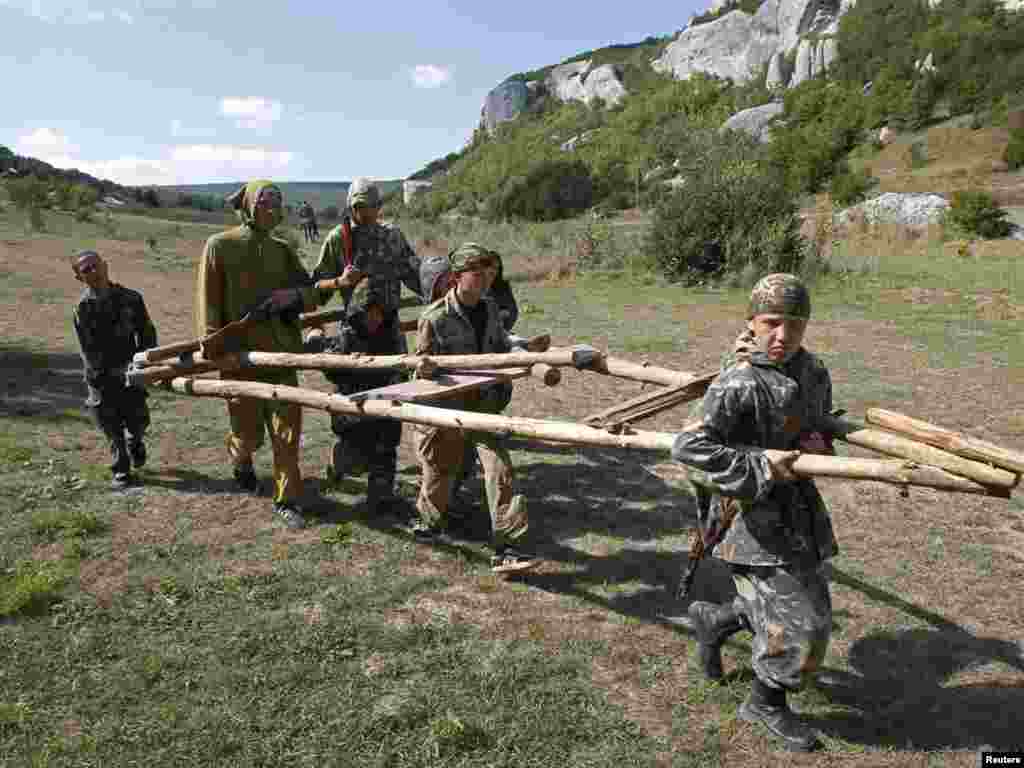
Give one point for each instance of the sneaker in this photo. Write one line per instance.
(511, 560)
(245, 478)
(137, 451)
(290, 515)
(121, 481)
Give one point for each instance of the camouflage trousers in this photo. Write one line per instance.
(366, 445)
(441, 452)
(789, 610)
(122, 415)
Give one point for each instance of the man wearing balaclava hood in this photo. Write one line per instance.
(241, 270)
(771, 528)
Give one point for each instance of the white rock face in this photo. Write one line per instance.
(411, 188)
(776, 78)
(829, 51)
(754, 121)
(576, 81)
(804, 69)
(738, 44)
(911, 209)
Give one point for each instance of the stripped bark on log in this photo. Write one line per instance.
(904, 473)
(947, 439)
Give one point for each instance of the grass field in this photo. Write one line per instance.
(179, 625)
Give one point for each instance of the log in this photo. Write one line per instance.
(564, 357)
(307, 320)
(947, 439)
(650, 374)
(896, 445)
(899, 472)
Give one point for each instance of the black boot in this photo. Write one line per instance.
(714, 625)
(768, 706)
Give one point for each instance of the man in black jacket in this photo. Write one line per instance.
(112, 324)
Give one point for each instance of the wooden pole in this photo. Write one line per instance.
(650, 374)
(895, 445)
(947, 439)
(307, 320)
(327, 361)
(888, 471)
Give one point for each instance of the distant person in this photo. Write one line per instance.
(465, 321)
(112, 324)
(305, 220)
(248, 269)
(313, 226)
(370, 262)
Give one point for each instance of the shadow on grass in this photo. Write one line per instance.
(897, 693)
(41, 384)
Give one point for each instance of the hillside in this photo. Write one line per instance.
(29, 166)
(319, 194)
(546, 147)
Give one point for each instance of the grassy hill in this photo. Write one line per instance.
(320, 194)
(667, 127)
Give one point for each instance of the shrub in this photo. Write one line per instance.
(1014, 154)
(849, 188)
(552, 189)
(734, 216)
(330, 213)
(976, 213)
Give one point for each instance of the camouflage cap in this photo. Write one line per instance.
(362, 191)
(780, 294)
(471, 256)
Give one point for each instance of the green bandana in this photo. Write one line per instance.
(245, 199)
(471, 256)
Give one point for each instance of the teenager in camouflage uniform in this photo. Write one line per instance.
(771, 527)
(435, 278)
(112, 324)
(249, 269)
(371, 287)
(465, 321)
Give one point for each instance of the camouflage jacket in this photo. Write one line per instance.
(380, 251)
(446, 329)
(111, 328)
(756, 404)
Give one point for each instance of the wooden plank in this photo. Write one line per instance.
(650, 403)
(442, 386)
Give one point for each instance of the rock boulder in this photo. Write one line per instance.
(754, 121)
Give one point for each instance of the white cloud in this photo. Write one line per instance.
(44, 141)
(179, 164)
(251, 111)
(70, 11)
(430, 75)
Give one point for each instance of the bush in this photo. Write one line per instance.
(1014, 154)
(848, 188)
(330, 213)
(734, 217)
(552, 189)
(977, 213)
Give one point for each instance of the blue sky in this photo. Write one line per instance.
(160, 91)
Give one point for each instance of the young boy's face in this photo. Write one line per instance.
(90, 269)
(475, 282)
(778, 336)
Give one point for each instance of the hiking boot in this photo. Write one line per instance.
(137, 451)
(768, 707)
(714, 624)
(290, 515)
(512, 560)
(427, 534)
(245, 478)
(121, 481)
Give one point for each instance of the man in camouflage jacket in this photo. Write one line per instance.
(465, 321)
(772, 528)
(369, 262)
(112, 324)
(248, 269)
